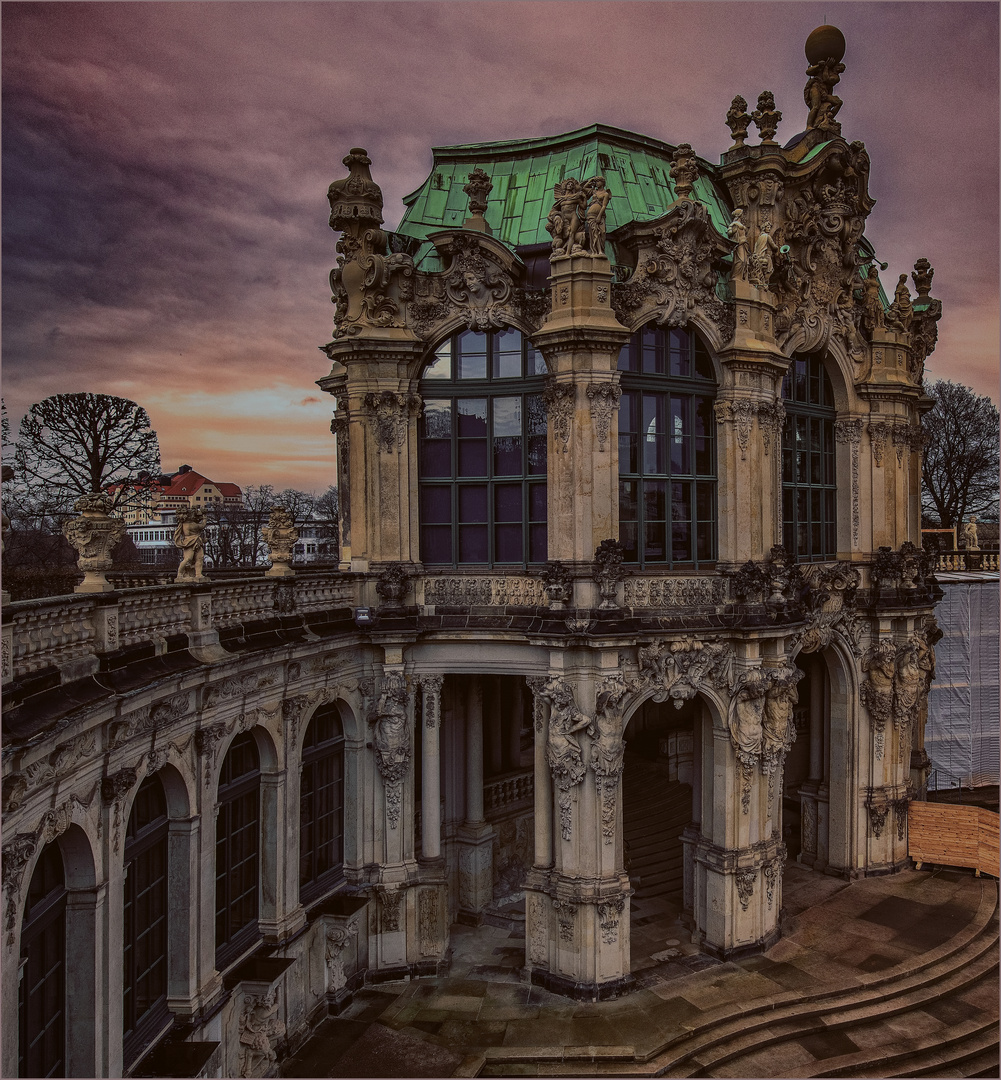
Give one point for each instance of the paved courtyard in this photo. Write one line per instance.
(841, 940)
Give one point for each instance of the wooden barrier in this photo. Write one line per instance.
(951, 835)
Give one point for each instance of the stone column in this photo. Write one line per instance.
(430, 767)
(543, 780)
(182, 927)
(475, 836)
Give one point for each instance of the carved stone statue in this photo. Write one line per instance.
(280, 534)
(746, 719)
(910, 685)
(599, 197)
(737, 231)
(737, 120)
(778, 730)
(188, 537)
(608, 571)
(565, 222)
(392, 740)
(820, 100)
(563, 751)
(970, 538)
(259, 1028)
(684, 171)
(873, 316)
(901, 310)
(879, 664)
(94, 534)
(766, 116)
(762, 266)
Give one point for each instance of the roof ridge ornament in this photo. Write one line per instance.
(576, 221)
(684, 171)
(478, 189)
(737, 120)
(766, 117)
(825, 48)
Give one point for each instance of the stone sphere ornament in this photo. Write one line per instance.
(824, 42)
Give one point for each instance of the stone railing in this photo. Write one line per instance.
(506, 792)
(961, 560)
(58, 630)
(667, 592)
(470, 590)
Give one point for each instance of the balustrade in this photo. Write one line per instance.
(505, 792)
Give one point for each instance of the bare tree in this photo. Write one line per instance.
(74, 444)
(326, 511)
(960, 474)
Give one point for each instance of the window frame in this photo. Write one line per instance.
(491, 387)
(818, 412)
(233, 798)
(312, 758)
(667, 387)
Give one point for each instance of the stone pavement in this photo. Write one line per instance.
(485, 1019)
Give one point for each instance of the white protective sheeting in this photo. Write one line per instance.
(961, 736)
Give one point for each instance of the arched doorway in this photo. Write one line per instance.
(658, 790)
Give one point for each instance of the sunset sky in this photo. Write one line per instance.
(165, 168)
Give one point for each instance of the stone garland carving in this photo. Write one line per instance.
(877, 440)
(831, 598)
(431, 696)
(771, 420)
(559, 399)
(877, 808)
(684, 171)
(280, 536)
(260, 1029)
(773, 873)
(604, 398)
(537, 684)
(565, 911)
(876, 693)
(335, 942)
(677, 669)
(679, 277)
(114, 788)
(61, 761)
(609, 913)
(608, 749)
(390, 414)
(233, 687)
(607, 572)
(537, 929)
(94, 534)
(429, 922)
(745, 880)
(393, 584)
(392, 741)
(900, 816)
(389, 907)
(674, 592)
(738, 120)
(740, 413)
(901, 442)
(366, 277)
(563, 751)
(766, 117)
(850, 432)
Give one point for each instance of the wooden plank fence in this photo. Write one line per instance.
(949, 835)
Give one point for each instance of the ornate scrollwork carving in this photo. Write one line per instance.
(608, 749)
(604, 398)
(876, 692)
(831, 606)
(745, 880)
(392, 741)
(850, 432)
(390, 414)
(677, 670)
(559, 399)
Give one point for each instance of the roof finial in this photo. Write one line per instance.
(825, 48)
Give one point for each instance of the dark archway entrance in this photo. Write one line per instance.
(656, 807)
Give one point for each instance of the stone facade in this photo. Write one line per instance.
(486, 706)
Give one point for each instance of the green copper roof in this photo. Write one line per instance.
(636, 170)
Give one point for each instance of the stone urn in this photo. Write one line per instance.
(94, 535)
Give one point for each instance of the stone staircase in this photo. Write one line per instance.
(655, 810)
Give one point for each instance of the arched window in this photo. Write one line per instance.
(144, 913)
(809, 485)
(482, 462)
(237, 851)
(42, 989)
(321, 805)
(667, 450)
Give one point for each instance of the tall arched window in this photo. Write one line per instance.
(237, 851)
(321, 805)
(809, 485)
(667, 450)
(482, 460)
(144, 913)
(42, 989)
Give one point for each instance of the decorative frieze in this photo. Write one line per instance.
(484, 591)
(680, 592)
(156, 716)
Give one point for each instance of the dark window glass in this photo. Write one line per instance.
(667, 449)
(809, 487)
(238, 840)
(144, 914)
(479, 447)
(42, 988)
(321, 805)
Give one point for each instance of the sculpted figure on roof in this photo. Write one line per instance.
(599, 197)
(737, 231)
(566, 219)
(901, 310)
(872, 305)
(822, 103)
(761, 261)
